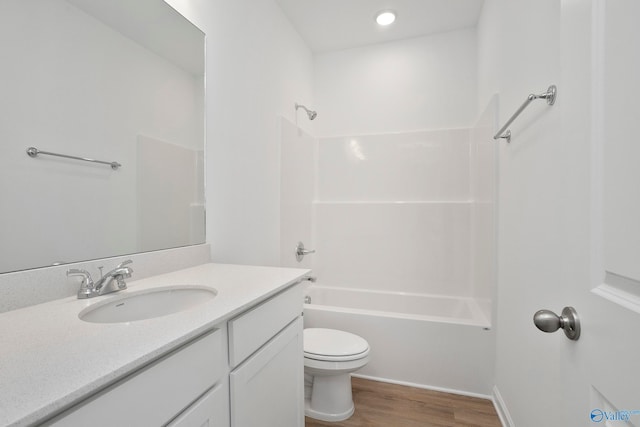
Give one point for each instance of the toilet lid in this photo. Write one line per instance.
(331, 344)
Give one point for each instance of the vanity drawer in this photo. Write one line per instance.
(249, 331)
(211, 410)
(154, 395)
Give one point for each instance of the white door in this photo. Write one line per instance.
(601, 112)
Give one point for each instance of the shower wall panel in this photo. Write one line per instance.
(393, 212)
(402, 212)
(410, 166)
(418, 247)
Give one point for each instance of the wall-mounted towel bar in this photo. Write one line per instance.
(33, 152)
(549, 95)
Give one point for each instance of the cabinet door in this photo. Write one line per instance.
(267, 389)
(211, 410)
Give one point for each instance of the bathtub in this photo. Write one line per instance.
(429, 341)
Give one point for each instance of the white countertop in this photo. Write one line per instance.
(50, 359)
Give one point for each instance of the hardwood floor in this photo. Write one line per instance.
(389, 405)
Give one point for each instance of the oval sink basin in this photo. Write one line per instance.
(147, 304)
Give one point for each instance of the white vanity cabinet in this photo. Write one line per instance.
(247, 372)
(266, 358)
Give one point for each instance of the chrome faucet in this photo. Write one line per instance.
(112, 281)
(106, 283)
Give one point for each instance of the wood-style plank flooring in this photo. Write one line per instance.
(389, 405)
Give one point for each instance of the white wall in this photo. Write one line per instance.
(421, 83)
(489, 48)
(257, 69)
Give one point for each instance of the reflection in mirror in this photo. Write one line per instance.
(115, 80)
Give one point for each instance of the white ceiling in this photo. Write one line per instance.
(327, 25)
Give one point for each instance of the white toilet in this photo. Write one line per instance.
(329, 358)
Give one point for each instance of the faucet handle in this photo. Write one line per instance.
(123, 263)
(86, 276)
(121, 283)
(123, 273)
(86, 287)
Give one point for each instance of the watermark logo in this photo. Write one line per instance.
(598, 415)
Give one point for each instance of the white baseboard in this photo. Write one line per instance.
(501, 409)
(426, 387)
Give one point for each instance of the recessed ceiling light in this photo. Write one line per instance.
(386, 17)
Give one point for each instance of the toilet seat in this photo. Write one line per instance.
(333, 346)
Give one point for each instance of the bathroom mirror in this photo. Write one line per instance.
(116, 81)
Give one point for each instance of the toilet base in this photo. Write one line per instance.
(330, 398)
(324, 416)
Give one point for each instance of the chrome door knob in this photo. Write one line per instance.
(548, 321)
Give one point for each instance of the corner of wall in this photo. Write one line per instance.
(501, 408)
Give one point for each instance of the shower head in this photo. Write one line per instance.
(312, 114)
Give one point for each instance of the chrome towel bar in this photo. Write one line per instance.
(33, 152)
(549, 95)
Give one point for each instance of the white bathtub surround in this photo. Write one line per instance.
(46, 348)
(403, 224)
(430, 342)
(392, 212)
(417, 247)
(401, 209)
(403, 166)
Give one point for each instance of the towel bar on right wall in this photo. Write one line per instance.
(549, 95)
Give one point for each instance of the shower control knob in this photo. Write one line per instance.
(548, 321)
(301, 251)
